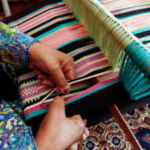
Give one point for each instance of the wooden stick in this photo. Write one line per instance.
(47, 96)
(125, 127)
(123, 124)
(76, 81)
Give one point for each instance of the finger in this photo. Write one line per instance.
(69, 71)
(79, 122)
(73, 147)
(41, 76)
(46, 80)
(86, 132)
(57, 108)
(57, 90)
(69, 68)
(60, 79)
(76, 117)
(49, 83)
(70, 75)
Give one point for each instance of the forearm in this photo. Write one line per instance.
(14, 46)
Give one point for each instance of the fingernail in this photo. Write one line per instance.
(66, 90)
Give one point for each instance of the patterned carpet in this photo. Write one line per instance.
(109, 136)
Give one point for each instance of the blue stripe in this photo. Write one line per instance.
(141, 30)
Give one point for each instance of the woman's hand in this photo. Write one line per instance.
(57, 132)
(54, 66)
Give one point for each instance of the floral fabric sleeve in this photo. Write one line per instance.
(14, 46)
(14, 133)
(20, 139)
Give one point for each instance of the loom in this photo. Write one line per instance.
(122, 49)
(127, 80)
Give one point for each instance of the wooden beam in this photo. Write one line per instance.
(125, 127)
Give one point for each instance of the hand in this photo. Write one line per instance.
(54, 66)
(57, 131)
(75, 146)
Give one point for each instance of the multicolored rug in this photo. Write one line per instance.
(108, 135)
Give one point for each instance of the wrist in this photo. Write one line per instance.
(32, 54)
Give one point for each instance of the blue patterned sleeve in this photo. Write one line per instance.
(14, 46)
(14, 133)
(17, 139)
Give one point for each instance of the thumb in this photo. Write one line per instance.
(57, 108)
(59, 77)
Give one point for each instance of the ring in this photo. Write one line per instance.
(84, 137)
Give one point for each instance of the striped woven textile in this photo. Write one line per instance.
(134, 14)
(54, 24)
